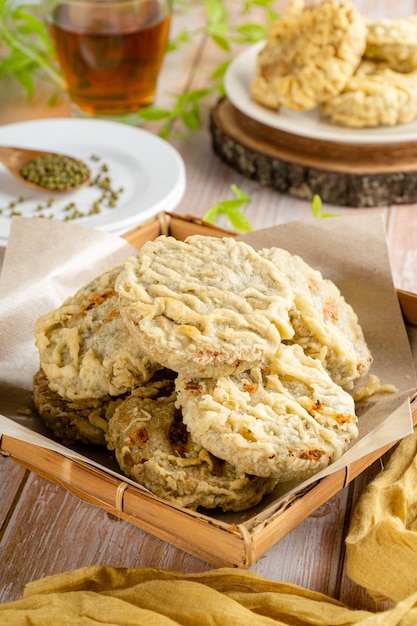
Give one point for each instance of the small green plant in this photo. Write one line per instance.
(317, 206)
(29, 48)
(186, 107)
(231, 208)
(29, 52)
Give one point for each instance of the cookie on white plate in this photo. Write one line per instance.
(309, 54)
(376, 95)
(393, 41)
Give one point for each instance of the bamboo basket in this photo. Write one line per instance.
(219, 541)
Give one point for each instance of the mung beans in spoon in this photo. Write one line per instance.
(45, 170)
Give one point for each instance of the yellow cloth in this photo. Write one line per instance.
(97, 595)
(381, 545)
(381, 556)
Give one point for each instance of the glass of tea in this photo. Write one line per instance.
(110, 51)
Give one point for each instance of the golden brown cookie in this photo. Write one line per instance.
(286, 419)
(85, 349)
(154, 448)
(393, 41)
(205, 306)
(79, 421)
(310, 53)
(325, 325)
(375, 96)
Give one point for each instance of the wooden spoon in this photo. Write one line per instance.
(15, 160)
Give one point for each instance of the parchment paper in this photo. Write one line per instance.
(46, 261)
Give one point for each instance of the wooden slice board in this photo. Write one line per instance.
(340, 173)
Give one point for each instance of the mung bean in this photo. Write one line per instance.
(56, 172)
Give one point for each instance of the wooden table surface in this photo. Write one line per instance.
(44, 529)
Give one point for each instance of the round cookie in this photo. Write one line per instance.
(286, 420)
(85, 349)
(375, 96)
(393, 41)
(82, 421)
(154, 448)
(325, 325)
(205, 306)
(310, 53)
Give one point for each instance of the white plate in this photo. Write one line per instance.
(150, 171)
(306, 124)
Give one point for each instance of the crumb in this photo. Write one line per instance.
(373, 387)
(25, 410)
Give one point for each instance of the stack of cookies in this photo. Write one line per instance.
(214, 372)
(361, 73)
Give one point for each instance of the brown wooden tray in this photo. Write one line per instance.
(341, 174)
(221, 541)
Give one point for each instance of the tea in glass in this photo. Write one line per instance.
(110, 51)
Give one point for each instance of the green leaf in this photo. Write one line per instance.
(220, 70)
(27, 82)
(318, 213)
(191, 118)
(31, 23)
(193, 96)
(183, 37)
(25, 36)
(260, 3)
(154, 114)
(220, 40)
(272, 15)
(251, 33)
(221, 90)
(53, 99)
(240, 194)
(216, 11)
(165, 131)
(267, 5)
(15, 63)
(231, 207)
(240, 222)
(316, 206)
(211, 215)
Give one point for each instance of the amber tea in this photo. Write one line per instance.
(110, 52)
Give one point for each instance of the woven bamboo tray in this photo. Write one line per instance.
(214, 539)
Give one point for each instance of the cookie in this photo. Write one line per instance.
(84, 347)
(393, 41)
(286, 420)
(83, 421)
(325, 325)
(205, 306)
(154, 448)
(375, 96)
(310, 53)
